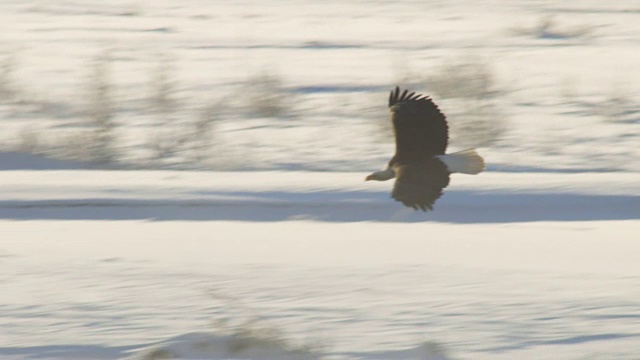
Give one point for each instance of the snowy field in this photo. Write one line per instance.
(276, 248)
(510, 265)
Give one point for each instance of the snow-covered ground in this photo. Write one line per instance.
(493, 197)
(510, 265)
(535, 258)
(540, 291)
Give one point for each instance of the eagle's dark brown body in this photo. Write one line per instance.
(420, 165)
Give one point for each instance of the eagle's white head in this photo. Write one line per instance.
(381, 175)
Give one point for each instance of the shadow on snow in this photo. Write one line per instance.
(334, 206)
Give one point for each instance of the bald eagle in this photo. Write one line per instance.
(420, 165)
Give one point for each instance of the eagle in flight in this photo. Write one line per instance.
(420, 166)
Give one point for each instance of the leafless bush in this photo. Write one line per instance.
(469, 94)
(240, 334)
(163, 88)
(8, 87)
(26, 100)
(190, 145)
(158, 354)
(176, 140)
(618, 107)
(94, 141)
(472, 79)
(201, 137)
(165, 141)
(434, 350)
(101, 111)
(266, 96)
(29, 141)
(480, 124)
(75, 145)
(247, 330)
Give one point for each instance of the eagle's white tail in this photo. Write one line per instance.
(465, 162)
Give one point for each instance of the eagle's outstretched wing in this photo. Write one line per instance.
(421, 129)
(419, 185)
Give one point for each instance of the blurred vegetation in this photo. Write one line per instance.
(266, 96)
(240, 333)
(100, 140)
(174, 130)
(468, 93)
(177, 135)
(8, 90)
(470, 97)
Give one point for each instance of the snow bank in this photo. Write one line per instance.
(366, 290)
(491, 197)
(26, 161)
(197, 346)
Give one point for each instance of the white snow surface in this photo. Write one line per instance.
(535, 258)
(135, 264)
(492, 197)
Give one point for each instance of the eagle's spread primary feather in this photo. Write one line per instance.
(420, 165)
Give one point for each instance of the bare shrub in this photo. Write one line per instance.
(96, 142)
(8, 87)
(472, 79)
(618, 107)
(29, 100)
(164, 142)
(163, 145)
(157, 354)
(192, 143)
(101, 111)
(163, 88)
(481, 126)
(201, 137)
(266, 96)
(40, 103)
(433, 350)
(252, 334)
(468, 93)
(239, 334)
(174, 140)
(73, 146)
(29, 141)
(246, 330)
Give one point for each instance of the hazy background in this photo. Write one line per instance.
(545, 85)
